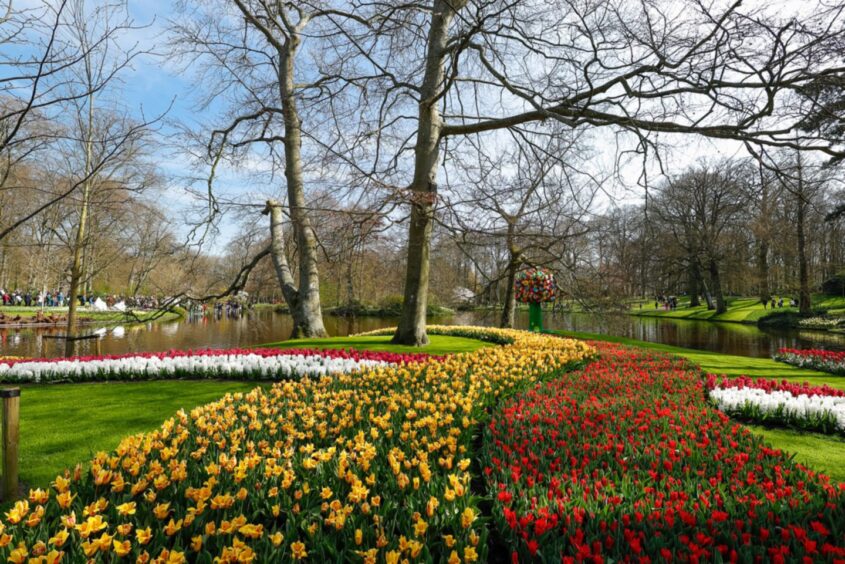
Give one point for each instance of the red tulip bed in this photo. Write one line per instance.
(626, 460)
(816, 359)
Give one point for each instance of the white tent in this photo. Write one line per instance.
(119, 306)
(99, 305)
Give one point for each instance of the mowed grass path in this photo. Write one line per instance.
(65, 424)
(823, 453)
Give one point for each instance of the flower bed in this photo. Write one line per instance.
(813, 408)
(823, 323)
(246, 364)
(359, 467)
(826, 361)
(625, 460)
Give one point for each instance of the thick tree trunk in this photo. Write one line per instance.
(308, 314)
(716, 285)
(301, 322)
(423, 188)
(693, 282)
(350, 281)
(763, 270)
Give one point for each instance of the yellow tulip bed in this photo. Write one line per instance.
(367, 466)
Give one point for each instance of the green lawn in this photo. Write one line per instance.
(63, 424)
(824, 453)
(100, 316)
(440, 344)
(740, 310)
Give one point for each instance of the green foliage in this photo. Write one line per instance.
(835, 285)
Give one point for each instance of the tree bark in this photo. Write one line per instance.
(763, 242)
(509, 309)
(79, 241)
(302, 323)
(423, 188)
(694, 282)
(716, 283)
(308, 319)
(804, 300)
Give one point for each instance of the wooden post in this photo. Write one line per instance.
(99, 347)
(11, 410)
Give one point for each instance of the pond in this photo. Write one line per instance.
(265, 326)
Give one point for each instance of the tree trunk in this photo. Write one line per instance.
(350, 281)
(79, 242)
(308, 314)
(804, 302)
(284, 275)
(716, 283)
(693, 282)
(423, 188)
(509, 309)
(763, 243)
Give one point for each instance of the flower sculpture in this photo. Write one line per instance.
(535, 286)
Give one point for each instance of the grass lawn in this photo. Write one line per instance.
(103, 316)
(440, 344)
(824, 453)
(63, 424)
(740, 310)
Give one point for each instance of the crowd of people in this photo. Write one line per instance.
(778, 302)
(57, 298)
(53, 298)
(668, 302)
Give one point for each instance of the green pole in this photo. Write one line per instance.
(535, 317)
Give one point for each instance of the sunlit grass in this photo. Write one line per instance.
(823, 453)
(63, 424)
(439, 344)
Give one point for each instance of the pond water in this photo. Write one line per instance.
(264, 326)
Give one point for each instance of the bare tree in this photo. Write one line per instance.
(718, 69)
(253, 56)
(700, 207)
(529, 200)
(103, 143)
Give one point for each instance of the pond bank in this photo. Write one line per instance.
(750, 311)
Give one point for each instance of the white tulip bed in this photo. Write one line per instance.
(807, 407)
(257, 364)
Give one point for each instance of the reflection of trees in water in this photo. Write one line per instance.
(262, 326)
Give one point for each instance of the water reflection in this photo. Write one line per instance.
(730, 338)
(233, 330)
